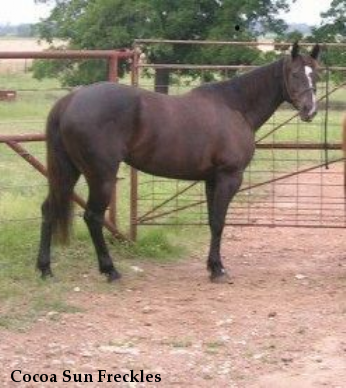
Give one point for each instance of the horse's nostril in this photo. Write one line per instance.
(309, 110)
(307, 113)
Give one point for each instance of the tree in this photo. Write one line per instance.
(333, 30)
(110, 24)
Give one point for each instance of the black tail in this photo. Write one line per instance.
(62, 175)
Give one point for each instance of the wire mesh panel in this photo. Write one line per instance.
(303, 193)
(295, 179)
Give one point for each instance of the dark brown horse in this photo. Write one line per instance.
(206, 134)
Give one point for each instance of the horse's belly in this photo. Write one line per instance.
(187, 169)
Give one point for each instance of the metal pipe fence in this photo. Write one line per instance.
(22, 134)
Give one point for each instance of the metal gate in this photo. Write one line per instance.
(296, 178)
(12, 140)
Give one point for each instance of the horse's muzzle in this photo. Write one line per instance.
(306, 115)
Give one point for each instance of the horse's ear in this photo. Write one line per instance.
(315, 52)
(295, 50)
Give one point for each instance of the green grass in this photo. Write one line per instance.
(34, 99)
(24, 297)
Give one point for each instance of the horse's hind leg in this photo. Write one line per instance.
(100, 192)
(43, 259)
(44, 255)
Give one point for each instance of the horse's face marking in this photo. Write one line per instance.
(301, 83)
(312, 84)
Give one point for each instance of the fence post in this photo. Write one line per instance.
(134, 173)
(113, 77)
(113, 68)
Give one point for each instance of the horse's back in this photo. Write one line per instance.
(101, 102)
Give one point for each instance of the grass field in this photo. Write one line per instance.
(23, 296)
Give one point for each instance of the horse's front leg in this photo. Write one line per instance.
(219, 195)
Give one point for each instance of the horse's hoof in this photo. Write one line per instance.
(113, 277)
(222, 278)
(46, 274)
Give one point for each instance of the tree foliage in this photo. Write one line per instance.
(333, 30)
(111, 24)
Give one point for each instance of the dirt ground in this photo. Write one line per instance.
(281, 324)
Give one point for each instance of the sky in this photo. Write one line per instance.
(306, 11)
(26, 11)
(22, 11)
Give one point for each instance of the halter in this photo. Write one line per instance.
(293, 99)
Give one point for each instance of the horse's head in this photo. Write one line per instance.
(300, 73)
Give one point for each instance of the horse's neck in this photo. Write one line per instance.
(261, 93)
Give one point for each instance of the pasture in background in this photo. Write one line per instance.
(15, 66)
